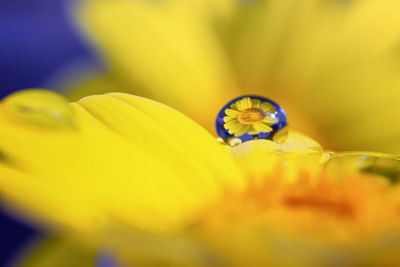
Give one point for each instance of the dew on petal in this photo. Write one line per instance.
(252, 117)
(38, 107)
(234, 141)
(377, 164)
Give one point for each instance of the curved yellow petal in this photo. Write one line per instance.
(128, 159)
(168, 48)
(252, 130)
(91, 84)
(244, 103)
(262, 127)
(242, 130)
(231, 112)
(270, 120)
(232, 125)
(268, 107)
(228, 118)
(255, 103)
(234, 106)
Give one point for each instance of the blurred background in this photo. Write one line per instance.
(37, 41)
(334, 65)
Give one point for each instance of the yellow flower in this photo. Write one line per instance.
(327, 62)
(249, 115)
(123, 177)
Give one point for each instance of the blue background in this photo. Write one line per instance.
(36, 40)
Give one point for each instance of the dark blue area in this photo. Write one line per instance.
(106, 260)
(15, 234)
(36, 40)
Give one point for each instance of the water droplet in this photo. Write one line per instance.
(233, 141)
(220, 140)
(39, 107)
(252, 117)
(378, 164)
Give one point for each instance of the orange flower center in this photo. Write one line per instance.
(250, 116)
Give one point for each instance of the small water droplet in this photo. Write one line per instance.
(379, 164)
(234, 141)
(39, 107)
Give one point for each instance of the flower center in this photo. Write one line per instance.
(250, 116)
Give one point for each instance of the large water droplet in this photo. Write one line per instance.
(252, 117)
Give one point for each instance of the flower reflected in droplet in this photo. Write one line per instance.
(251, 117)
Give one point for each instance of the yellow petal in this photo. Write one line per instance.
(231, 112)
(242, 130)
(232, 125)
(244, 103)
(234, 106)
(174, 121)
(128, 159)
(270, 120)
(228, 118)
(253, 131)
(174, 55)
(268, 107)
(255, 103)
(300, 144)
(259, 158)
(262, 127)
(281, 135)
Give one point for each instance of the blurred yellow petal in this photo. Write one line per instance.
(298, 152)
(57, 251)
(312, 55)
(300, 143)
(168, 48)
(91, 84)
(308, 56)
